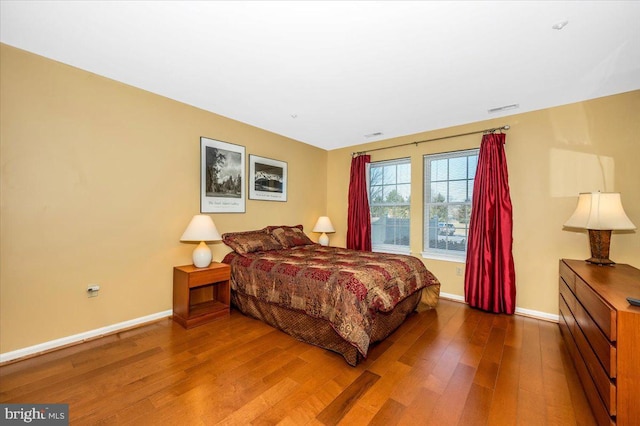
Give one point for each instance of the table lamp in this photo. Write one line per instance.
(201, 228)
(600, 213)
(323, 225)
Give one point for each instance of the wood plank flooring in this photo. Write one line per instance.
(449, 366)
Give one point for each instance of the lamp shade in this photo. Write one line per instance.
(323, 225)
(600, 211)
(201, 228)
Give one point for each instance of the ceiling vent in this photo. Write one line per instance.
(503, 108)
(373, 135)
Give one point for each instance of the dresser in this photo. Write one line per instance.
(602, 334)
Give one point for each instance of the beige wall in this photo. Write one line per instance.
(99, 180)
(552, 155)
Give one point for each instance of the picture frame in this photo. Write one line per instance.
(222, 177)
(267, 179)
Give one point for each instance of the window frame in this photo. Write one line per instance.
(435, 253)
(390, 248)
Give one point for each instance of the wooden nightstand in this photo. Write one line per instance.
(201, 294)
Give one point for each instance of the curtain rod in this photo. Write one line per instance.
(495, 129)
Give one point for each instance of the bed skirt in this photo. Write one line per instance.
(319, 332)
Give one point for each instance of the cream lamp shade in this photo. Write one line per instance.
(324, 225)
(201, 229)
(600, 213)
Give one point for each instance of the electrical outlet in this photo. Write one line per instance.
(459, 271)
(92, 290)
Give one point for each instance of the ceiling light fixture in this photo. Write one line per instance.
(560, 25)
(503, 108)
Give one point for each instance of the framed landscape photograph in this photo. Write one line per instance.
(222, 179)
(267, 179)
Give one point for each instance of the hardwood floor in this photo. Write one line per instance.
(449, 366)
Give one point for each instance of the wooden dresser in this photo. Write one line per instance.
(602, 333)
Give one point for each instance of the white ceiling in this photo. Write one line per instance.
(329, 73)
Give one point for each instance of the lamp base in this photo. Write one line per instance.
(202, 255)
(600, 240)
(324, 239)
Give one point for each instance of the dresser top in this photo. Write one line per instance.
(614, 283)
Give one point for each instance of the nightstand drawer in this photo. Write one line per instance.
(209, 276)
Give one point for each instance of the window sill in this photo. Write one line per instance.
(391, 249)
(445, 257)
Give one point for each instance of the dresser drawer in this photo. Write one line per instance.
(566, 316)
(568, 276)
(598, 309)
(569, 297)
(602, 334)
(598, 408)
(602, 347)
(605, 387)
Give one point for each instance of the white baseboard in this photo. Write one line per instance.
(453, 297)
(92, 334)
(78, 338)
(519, 311)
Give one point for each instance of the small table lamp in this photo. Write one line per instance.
(323, 225)
(600, 213)
(201, 228)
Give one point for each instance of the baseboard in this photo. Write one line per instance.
(519, 311)
(99, 332)
(453, 297)
(81, 337)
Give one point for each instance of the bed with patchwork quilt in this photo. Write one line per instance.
(339, 299)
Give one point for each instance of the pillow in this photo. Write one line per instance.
(289, 236)
(250, 241)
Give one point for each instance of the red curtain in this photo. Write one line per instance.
(359, 217)
(490, 279)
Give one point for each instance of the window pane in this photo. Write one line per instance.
(375, 175)
(377, 211)
(404, 191)
(458, 168)
(389, 174)
(390, 194)
(439, 170)
(404, 173)
(462, 215)
(390, 226)
(375, 194)
(438, 192)
(438, 212)
(470, 190)
(458, 191)
(473, 165)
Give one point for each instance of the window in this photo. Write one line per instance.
(389, 199)
(448, 190)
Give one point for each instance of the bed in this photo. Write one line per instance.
(339, 299)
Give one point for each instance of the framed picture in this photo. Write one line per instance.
(267, 179)
(222, 183)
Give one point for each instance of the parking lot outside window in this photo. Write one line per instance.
(448, 191)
